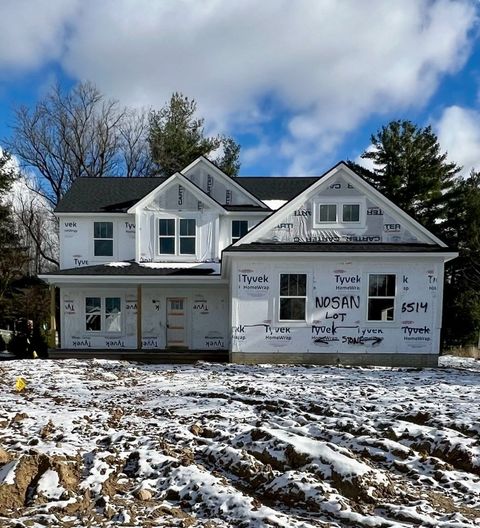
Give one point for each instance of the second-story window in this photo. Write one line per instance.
(239, 229)
(177, 236)
(103, 239)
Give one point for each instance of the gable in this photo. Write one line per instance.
(218, 185)
(340, 207)
(176, 194)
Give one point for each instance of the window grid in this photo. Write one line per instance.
(103, 239)
(103, 314)
(239, 229)
(177, 236)
(293, 297)
(381, 297)
(187, 236)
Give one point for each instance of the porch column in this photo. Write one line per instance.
(53, 323)
(139, 317)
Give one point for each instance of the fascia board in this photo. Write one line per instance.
(290, 206)
(95, 213)
(285, 210)
(378, 196)
(336, 254)
(264, 212)
(100, 280)
(206, 161)
(186, 183)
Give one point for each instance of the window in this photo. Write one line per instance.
(187, 236)
(341, 211)
(103, 314)
(166, 234)
(351, 212)
(177, 236)
(103, 239)
(239, 229)
(381, 297)
(293, 296)
(327, 213)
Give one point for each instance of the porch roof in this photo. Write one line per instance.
(147, 269)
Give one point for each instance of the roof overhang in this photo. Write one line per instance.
(205, 161)
(445, 255)
(182, 180)
(102, 280)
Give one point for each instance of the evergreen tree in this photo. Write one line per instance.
(411, 170)
(177, 138)
(461, 322)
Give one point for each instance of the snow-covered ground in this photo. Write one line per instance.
(106, 443)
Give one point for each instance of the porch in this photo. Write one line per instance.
(145, 356)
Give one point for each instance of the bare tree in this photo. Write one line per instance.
(37, 227)
(78, 133)
(134, 146)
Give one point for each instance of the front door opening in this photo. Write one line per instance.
(176, 322)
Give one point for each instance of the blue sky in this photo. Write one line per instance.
(300, 85)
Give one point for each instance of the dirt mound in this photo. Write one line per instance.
(21, 484)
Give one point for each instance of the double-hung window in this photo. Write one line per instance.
(103, 239)
(177, 236)
(103, 314)
(381, 297)
(239, 229)
(293, 297)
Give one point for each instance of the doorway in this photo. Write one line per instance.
(176, 322)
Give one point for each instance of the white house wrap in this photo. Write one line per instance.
(198, 262)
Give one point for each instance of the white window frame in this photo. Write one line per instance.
(113, 239)
(339, 202)
(280, 297)
(103, 314)
(394, 297)
(319, 206)
(352, 222)
(177, 237)
(235, 239)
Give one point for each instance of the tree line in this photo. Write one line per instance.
(81, 133)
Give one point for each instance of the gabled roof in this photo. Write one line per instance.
(117, 194)
(178, 176)
(276, 188)
(227, 179)
(106, 194)
(271, 221)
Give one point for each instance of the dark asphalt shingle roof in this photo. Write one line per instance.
(329, 247)
(133, 269)
(110, 195)
(276, 188)
(106, 195)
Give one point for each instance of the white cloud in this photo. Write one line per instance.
(328, 64)
(32, 33)
(458, 131)
(366, 162)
